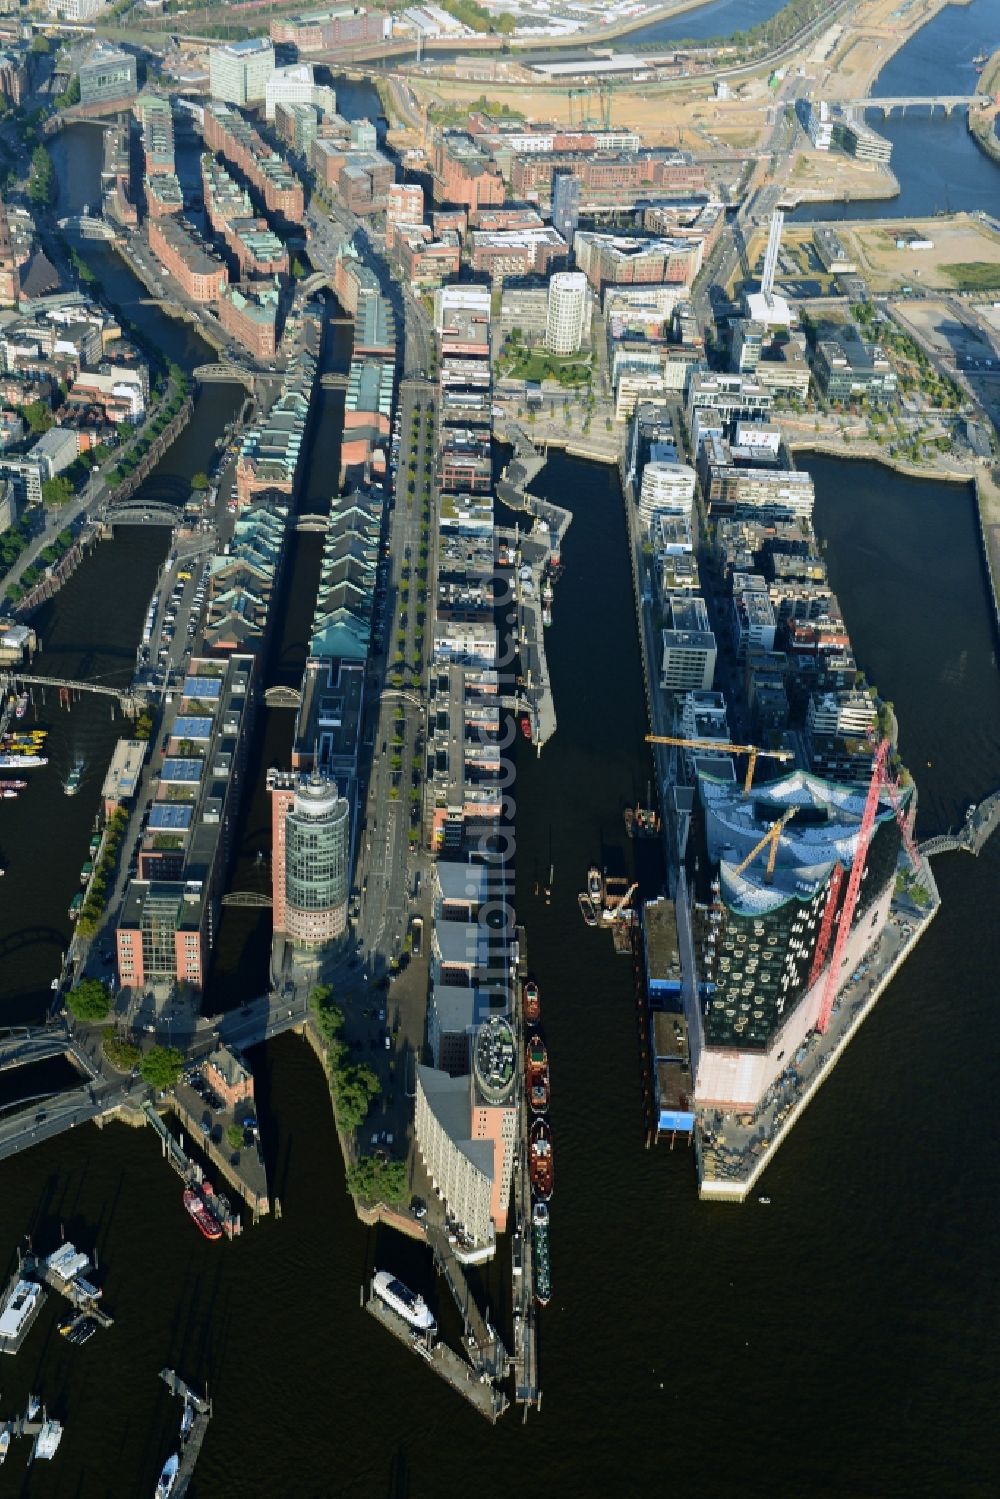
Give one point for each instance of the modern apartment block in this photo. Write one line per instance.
(170, 914)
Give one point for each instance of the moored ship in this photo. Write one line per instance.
(526, 730)
(196, 1204)
(540, 1163)
(538, 1075)
(532, 1002)
(595, 886)
(20, 760)
(404, 1302)
(540, 1240)
(21, 707)
(168, 1477)
(587, 909)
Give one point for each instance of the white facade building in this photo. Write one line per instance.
(666, 489)
(566, 321)
(239, 71)
(297, 85)
(77, 10)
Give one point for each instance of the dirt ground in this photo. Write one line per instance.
(819, 176)
(949, 334)
(957, 240)
(876, 31)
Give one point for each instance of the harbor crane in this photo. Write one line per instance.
(879, 782)
(714, 745)
(772, 837)
(614, 912)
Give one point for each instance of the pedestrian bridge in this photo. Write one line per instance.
(139, 513)
(132, 699)
(221, 372)
(980, 824)
(312, 523)
(283, 697)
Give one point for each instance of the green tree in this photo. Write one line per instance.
(90, 999)
(39, 43)
(234, 1137)
(199, 480)
(42, 179)
(57, 491)
(123, 1055)
(39, 416)
(377, 1180)
(162, 1066)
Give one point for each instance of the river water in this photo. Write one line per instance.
(939, 167)
(839, 1342)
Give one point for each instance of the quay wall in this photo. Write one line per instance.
(737, 1191)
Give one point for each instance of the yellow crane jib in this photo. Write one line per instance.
(773, 837)
(752, 751)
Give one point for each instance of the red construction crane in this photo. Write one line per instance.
(880, 781)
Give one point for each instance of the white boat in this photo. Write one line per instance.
(4, 1444)
(765, 1200)
(47, 1440)
(19, 1308)
(404, 1302)
(187, 1420)
(34, 1406)
(168, 1477)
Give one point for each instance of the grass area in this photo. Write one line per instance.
(973, 275)
(536, 364)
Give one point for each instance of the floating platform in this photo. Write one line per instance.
(477, 1388)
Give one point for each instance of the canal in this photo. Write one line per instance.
(837, 1342)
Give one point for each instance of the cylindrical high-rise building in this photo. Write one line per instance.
(312, 845)
(567, 312)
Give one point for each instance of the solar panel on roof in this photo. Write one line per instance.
(173, 815)
(181, 770)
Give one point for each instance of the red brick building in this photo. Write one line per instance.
(465, 174)
(228, 133)
(608, 179)
(201, 275)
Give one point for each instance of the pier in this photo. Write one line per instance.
(189, 1171)
(474, 1385)
(525, 1356)
(190, 1446)
(980, 824)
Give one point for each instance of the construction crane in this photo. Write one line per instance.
(773, 837)
(613, 912)
(879, 782)
(714, 745)
(585, 95)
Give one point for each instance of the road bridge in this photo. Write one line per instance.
(312, 523)
(132, 699)
(947, 102)
(980, 824)
(246, 898)
(333, 381)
